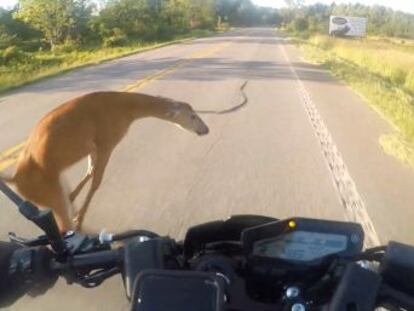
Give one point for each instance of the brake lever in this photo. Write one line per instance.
(45, 220)
(39, 241)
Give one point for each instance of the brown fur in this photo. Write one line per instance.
(90, 125)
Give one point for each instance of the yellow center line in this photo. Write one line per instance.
(160, 74)
(9, 156)
(7, 163)
(150, 78)
(11, 151)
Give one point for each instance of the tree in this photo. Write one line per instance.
(132, 17)
(147, 19)
(202, 13)
(82, 15)
(225, 10)
(176, 15)
(56, 19)
(14, 32)
(247, 14)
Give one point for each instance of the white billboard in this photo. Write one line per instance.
(347, 26)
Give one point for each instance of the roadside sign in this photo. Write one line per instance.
(347, 26)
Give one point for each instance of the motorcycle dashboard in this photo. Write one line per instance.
(301, 245)
(302, 240)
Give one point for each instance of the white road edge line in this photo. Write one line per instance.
(355, 209)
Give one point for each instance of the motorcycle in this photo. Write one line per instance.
(247, 262)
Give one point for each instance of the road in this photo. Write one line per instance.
(303, 145)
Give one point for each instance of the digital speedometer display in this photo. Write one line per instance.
(301, 245)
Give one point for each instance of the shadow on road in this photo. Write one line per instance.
(206, 69)
(214, 69)
(129, 69)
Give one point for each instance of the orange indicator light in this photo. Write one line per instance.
(292, 224)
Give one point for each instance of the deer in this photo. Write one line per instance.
(91, 126)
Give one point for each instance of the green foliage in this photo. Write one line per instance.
(300, 24)
(133, 17)
(58, 20)
(67, 46)
(409, 80)
(12, 26)
(6, 40)
(14, 32)
(202, 14)
(244, 13)
(12, 54)
(62, 25)
(397, 146)
(117, 39)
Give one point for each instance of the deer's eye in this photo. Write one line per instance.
(193, 117)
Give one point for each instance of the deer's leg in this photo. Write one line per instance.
(101, 162)
(62, 209)
(86, 178)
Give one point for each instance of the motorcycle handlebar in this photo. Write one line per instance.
(80, 262)
(96, 260)
(395, 297)
(111, 262)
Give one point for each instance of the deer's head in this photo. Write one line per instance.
(184, 116)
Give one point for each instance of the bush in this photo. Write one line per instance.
(118, 38)
(113, 41)
(6, 40)
(323, 42)
(224, 26)
(200, 32)
(32, 45)
(397, 75)
(12, 54)
(300, 24)
(67, 47)
(409, 82)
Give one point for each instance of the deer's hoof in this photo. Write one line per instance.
(76, 223)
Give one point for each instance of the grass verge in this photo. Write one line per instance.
(41, 65)
(382, 71)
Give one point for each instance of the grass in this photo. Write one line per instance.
(39, 65)
(390, 60)
(382, 71)
(397, 146)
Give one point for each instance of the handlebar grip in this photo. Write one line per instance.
(358, 289)
(45, 220)
(97, 260)
(397, 267)
(396, 298)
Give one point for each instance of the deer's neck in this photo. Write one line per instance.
(148, 106)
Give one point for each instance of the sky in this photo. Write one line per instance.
(402, 5)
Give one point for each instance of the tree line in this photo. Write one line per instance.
(48, 24)
(34, 25)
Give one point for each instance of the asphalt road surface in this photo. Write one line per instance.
(302, 146)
